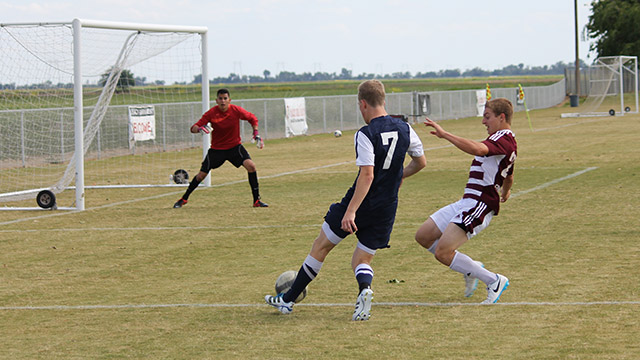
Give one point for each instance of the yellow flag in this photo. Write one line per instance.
(488, 92)
(520, 99)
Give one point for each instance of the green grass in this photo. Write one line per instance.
(571, 242)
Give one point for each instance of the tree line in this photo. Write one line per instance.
(346, 74)
(128, 79)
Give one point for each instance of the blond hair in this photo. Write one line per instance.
(371, 91)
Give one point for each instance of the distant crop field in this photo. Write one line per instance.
(131, 277)
(348, 87)
(24, 99)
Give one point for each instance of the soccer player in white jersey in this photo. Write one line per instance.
(369, 207)
(490, 181)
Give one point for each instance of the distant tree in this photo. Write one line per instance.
(125, 81)
(197, 79)
(427, 75)
(286, 76)
(475, 72)
(450, 73)
(613, 24)
(345, 74)
(255, 79)
(140, 81)
(266, 74)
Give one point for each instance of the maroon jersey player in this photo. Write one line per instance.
(489, 184)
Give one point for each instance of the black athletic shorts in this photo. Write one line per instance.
(215, 158)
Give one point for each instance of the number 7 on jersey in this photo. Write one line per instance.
(386, 136)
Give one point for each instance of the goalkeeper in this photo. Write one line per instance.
(223, 123)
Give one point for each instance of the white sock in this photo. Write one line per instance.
(466, 266)
(311, 266)
(432, 248)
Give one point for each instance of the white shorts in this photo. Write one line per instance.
(474, 215)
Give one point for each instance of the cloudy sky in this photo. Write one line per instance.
(364, 36)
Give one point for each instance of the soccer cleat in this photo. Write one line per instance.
(259, 203)
(179, 203)
(471, 283)
(495, 289)
(278, 303)
(363, 305)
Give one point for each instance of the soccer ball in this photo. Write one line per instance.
(180, 176)
(284, 282)
(337, 133)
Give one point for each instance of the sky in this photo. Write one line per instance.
(246, 37)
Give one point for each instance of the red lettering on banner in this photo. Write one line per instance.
(142, 127)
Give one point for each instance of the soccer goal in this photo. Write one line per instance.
(91, 104)
(613, 87)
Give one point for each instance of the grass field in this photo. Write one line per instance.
(133, 278)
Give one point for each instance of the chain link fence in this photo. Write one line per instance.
(173, 120)
(328, 113)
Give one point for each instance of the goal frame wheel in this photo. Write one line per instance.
(46, 199)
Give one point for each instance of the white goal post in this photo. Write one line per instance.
(126, 94)
(613, 82)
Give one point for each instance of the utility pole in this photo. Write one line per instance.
(575, 4)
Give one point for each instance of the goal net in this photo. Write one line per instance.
(613, 87)
(98, 104)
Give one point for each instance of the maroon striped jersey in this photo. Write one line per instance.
(488, 172)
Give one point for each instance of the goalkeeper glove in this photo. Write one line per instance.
(257, 139)
(204, 129)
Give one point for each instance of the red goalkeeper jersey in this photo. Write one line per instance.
(226, 125)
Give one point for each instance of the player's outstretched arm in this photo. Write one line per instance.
(467, 145)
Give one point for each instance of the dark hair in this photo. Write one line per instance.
(223, 91)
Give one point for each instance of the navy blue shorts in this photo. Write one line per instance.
(215, 158)
(374, 226)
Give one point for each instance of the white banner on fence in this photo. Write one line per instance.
(481, 96)
(295, 116)
(142, 123)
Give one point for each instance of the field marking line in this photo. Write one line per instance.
(174, 193)
(571, 124)
(164, 228)
(552, 182)
(414, 304)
